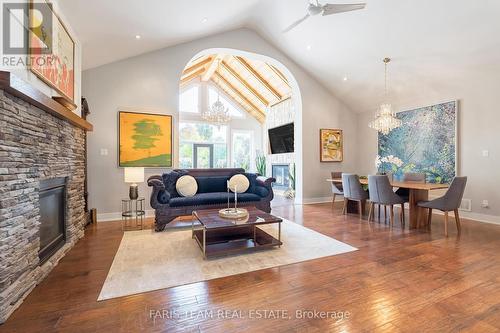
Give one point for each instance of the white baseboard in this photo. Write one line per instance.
(309, 201)
(116, 216)
(477, 217)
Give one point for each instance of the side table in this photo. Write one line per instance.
(133, 214)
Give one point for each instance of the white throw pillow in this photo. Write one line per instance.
(239, 182)
(186, 186)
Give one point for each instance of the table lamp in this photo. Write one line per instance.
(134, 176)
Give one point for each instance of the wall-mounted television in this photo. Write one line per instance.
(281, 139)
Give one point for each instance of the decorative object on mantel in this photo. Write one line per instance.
(217, 113)
(134, 176)
(426, 142)
(85, 110)
(385, 119)
(57, 67)
(25, 91)
(331, 145)
(145, 140)
(65, 102)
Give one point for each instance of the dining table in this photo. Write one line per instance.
(418, 192)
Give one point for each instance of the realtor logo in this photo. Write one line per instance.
(27, 28)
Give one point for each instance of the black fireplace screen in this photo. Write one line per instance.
(52, 216)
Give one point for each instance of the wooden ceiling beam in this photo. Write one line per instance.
(280, 101)
(212, 67)
(260, 116)
(238, 77)
(266, 84)
(194, 67)
(279, 74)
(192, 76)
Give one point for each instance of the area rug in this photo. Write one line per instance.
(148, 260)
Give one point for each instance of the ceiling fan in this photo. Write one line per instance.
(315, 8)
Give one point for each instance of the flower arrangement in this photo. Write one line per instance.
(388, 163)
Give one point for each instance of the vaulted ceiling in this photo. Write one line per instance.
(434, 44)
(253, 84)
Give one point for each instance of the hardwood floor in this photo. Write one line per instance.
(411, 281)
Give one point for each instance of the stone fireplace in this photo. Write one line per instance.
(42, 176)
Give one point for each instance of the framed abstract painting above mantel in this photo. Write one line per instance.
(331, 143)
(426, 142)
(52, 49)
(145, 140)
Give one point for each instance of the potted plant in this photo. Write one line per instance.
(260, 164)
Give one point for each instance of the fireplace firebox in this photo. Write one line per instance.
(282, 175)
(52, 217)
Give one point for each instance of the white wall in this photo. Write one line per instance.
(478, 130)
(151, 82)
(25, 74)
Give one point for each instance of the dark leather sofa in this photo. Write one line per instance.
(212, 193)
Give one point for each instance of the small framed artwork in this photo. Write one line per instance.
(52, 50)
(331, 143)
(145, 140)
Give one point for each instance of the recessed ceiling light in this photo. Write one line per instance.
(204, 20)
(137, 36)
(308, 47)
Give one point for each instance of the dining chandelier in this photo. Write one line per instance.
(385, 119)
(217, 113)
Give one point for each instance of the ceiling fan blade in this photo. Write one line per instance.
(296, 23)
(329, 8)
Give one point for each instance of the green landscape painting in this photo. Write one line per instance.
(145, 140)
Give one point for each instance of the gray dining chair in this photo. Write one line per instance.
(381, 193)
(337, 188)
(353, 191)
(389, 175)
(450, 201)
(415, 177)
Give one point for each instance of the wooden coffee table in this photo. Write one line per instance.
(218, 236)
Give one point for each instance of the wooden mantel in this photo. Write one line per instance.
(25, 91)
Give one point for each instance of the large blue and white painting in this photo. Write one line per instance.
(425, 142)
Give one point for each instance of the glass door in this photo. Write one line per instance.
(203, 155)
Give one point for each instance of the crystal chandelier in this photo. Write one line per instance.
(217, 113)
(385, 119)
